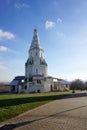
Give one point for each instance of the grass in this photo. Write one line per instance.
(12, 105)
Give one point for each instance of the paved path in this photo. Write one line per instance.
(64, 114)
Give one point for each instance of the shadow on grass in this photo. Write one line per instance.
(77, 95)
(18, 101)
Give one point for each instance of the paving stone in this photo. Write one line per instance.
(65, 114)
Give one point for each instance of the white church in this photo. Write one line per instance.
(36, 77)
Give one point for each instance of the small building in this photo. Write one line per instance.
(55, 84)
(17, 85)
(36, 77)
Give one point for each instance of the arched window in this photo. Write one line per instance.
(36, 71)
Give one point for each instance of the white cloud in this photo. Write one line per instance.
(6, 35)
(3, 49)
(6, 49)
(59, 20)
(22, 5)
(50, 24)
(15, 52)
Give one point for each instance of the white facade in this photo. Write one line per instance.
(36, 73)
(36, 64)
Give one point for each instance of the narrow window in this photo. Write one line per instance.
(36, 71)
(38, 81)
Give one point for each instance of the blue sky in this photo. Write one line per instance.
(62, 28)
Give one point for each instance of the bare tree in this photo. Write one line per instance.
(77, 85)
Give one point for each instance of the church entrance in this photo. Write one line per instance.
(13, 89)
(38, 91)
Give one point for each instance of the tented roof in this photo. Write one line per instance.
(35, 41)
(64, 82)
(14, 82)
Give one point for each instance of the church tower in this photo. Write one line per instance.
(36, 77)
(36, 65)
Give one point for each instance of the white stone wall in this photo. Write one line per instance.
(36, 51)
(36, 54)
(36, 68)
(47, 84)
(35, 88)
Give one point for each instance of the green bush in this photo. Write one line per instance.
(73, 91)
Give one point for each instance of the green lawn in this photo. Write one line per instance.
(14, 104)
